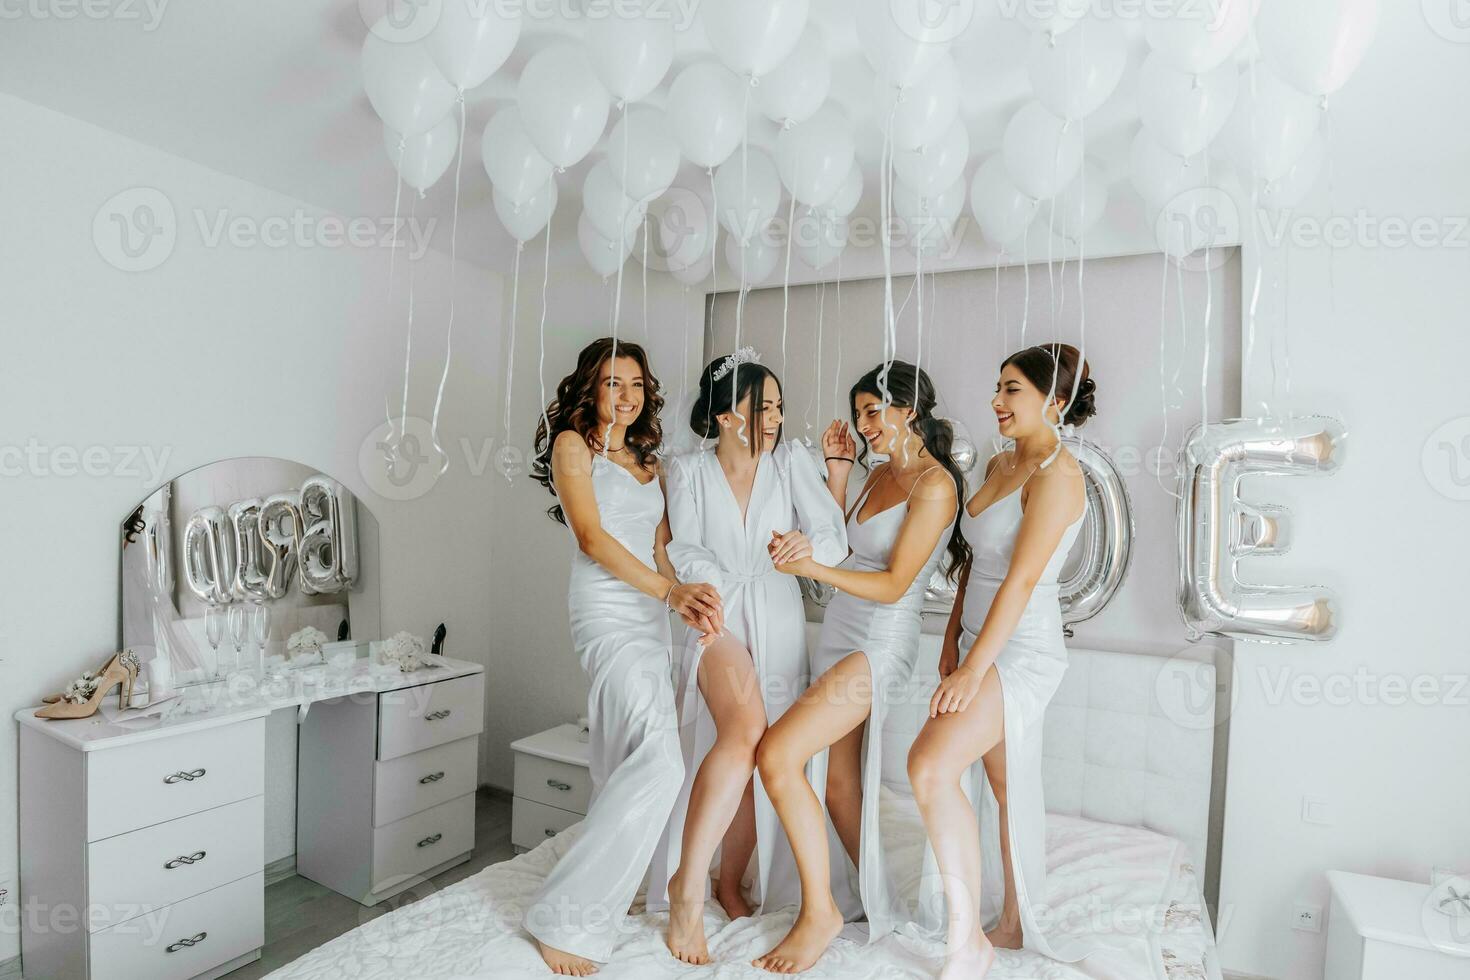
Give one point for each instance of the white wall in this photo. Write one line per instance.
(1386, 352)
(217, 352)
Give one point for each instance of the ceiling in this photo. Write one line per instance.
(271, 93)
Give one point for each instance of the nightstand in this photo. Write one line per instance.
(1383, 929)
(553, 786)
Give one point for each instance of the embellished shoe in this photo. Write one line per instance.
(120, 671)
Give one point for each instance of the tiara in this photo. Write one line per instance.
(745, 355)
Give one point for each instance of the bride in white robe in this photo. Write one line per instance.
(731, 507)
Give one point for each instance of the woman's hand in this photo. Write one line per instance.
(954, 693)
(949, 657)
(799, 566)
(839, 447)
(789, 547)
(699, 605)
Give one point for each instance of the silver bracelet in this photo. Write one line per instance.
(668, 594)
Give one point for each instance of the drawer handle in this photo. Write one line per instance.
(184, 943)
(557, 784)
(437, 715)
(182, 859)
(550, 832)
(432, 777)
(184, 777)
(431, 840)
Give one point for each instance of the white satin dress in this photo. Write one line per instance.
(889, 636)
(1030, 666)
(622, 639)
(763, 612)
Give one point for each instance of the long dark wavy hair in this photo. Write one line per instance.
(717, 397)
(575, 408)
(909, 386)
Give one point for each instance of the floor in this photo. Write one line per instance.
(301, 915)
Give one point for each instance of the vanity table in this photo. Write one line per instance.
(143, 834)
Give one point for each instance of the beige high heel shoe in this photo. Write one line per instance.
(120, 671)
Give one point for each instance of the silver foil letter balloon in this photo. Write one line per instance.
(280, 533)
(328, 554)
(1107, 536)
(249, 579)
(209, 559)
(1216, 528)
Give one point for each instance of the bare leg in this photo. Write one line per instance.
(836, 704)
(1007, 933)
(735, 852)
(728, 682)
(565, 964)
(845, 790)
(946, 747)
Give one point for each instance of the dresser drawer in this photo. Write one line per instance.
(148, 783)
(415, 844)
(558, 784)
(223, 924)
(147, 869)
(416, 718)
(531, 823)
(411, 783)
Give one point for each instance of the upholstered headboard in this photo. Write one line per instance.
(1129, 739)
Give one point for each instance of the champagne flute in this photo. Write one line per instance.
(239, 631)
(260, 631)
(214, 632)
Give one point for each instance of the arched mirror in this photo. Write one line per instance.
(245, 560)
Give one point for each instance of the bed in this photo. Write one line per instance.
(1128, 781)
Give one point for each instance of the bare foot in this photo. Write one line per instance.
(565, 964)
(810, 935)
(732, 900)
(971, 961)
(686, 922)
(1005, 936)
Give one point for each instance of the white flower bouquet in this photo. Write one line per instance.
(406, 652)
(306, 643)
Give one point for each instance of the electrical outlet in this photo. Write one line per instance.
(1316, 810)
(1306, 918)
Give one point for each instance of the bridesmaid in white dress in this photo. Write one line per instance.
(900, 527)
(1002, 661)
(726, 508)
(597, 457)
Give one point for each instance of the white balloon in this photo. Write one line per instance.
(525, 219)
(1185, 112)
(705, 107)
(693, 275)
(631, 54)
(1205, 217)
(900, 40)
(602, 253)
(1291, 188)
(933, 168)
(407, 90)
(1002, 211)
(1158, 174)
(759, 254)
(643, 152)
(819, 237)
(682, 220)
(1268, 131)
(1080, 205)
(747, 191)
(563, 105)
(1317, 44)
(605, 205)
(928, 220)
(922, 112)
(752, 36)
(1050, 17)
(471, 39)
(1195, 37)
(814, 156)
(1073, 75)
(422, 158)
(1042, 153)
(798, 86)
(849, 194)
(514, 165)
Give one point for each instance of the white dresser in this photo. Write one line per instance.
(142, 854)
(553, 786)
(1383, 929)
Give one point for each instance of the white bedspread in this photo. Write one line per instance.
(1136, 888)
